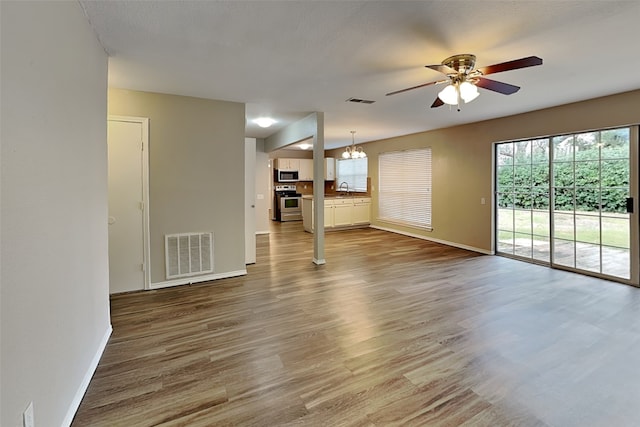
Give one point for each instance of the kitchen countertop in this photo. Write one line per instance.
(354, 196)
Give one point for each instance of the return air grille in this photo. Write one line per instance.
(188, 254)
(360, 101)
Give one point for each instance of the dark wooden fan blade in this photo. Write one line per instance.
(529, 61)
(437, 103)
(442, 69)
(411, 88)
(496, 86)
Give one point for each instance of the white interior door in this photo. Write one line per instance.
(126, 205)
(250, 200)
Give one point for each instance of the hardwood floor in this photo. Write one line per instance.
(391, 331)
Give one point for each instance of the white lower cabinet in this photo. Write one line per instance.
(361, 211)
(342, 212)
(328, 213)
(338, 213)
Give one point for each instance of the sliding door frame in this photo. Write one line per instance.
(634, 217)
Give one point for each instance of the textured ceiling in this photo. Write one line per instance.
(289, 58)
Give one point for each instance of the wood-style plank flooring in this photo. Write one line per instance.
(391, 331)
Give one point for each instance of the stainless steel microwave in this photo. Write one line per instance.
(284, 175)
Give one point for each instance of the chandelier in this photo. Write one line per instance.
(353, 152)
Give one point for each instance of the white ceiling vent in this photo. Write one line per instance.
(188, 254)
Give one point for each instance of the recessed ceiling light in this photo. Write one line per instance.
(264, 122)
(305, 146)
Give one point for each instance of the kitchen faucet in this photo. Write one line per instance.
(345, 183)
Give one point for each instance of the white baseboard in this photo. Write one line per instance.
(197, 279)
(82, 389)
(444, 242)
(263, 232)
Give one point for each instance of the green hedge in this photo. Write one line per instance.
(525, 183)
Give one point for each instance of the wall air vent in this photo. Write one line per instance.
(188, 254)
(360, 101)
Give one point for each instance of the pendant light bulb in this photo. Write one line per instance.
(353, 152)
(449, 95)
(468, 92)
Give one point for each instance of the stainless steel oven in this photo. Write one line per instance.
(288, 203)
(290, 208)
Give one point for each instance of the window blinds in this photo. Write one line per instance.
(405, 187)
(353, 172)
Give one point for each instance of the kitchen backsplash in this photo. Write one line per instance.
(330, 188)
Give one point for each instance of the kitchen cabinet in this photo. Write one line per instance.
(328, 213)
(308, 218)
(329, 169)
(288, 164)
(361, 210)
(307, 214)
(305, 168)
(342, 212)
(339, 213)
(305, 172)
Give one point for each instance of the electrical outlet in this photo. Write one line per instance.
(482, 201)
(27, 416)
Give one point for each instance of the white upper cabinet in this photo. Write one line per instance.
(305, 172)
(329, 169)
(288, 164)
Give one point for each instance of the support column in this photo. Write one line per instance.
(318, 190)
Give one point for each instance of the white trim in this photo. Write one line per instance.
(84, 385)
(263, 232)
(146, 239)
(494, 190)
(634, 152)
(319, 261)
(444, 242)
(197, 279)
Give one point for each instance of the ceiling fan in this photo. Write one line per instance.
(464, 80)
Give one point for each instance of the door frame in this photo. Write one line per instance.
(250, 201)
(146, 243)
(634, 217)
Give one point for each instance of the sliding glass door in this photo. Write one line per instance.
(523, 224)
(567, 200)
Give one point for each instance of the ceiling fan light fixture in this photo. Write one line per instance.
(449, 95)
(468, 92)
(463, 78)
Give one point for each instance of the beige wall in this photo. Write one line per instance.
(289, 153)
(54, 313)
(462, 161)
(196, 172)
